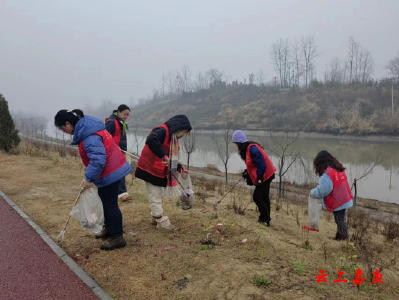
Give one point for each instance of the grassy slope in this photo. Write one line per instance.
(45, 188)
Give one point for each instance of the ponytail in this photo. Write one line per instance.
(71, 116)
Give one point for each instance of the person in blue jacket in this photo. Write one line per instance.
(105, 167)
(260, 172)
(334, 189)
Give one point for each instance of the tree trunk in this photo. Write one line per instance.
(225, 168)
(279, 185)
(188, 161)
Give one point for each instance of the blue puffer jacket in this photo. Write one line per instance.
(94, 147)
(258, 160)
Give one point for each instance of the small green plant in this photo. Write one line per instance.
(206, 229)
(260, 281)
(350, 261)
(206, 247)
(177, 203)
(299, 267)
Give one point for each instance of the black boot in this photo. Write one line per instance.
(104, 234)
(117, 241)
(264, 222)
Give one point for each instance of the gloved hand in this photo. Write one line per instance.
(259, 179)
(184, 173)
(245, 174)
(165, 160)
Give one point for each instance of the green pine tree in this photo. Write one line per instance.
(8, 134)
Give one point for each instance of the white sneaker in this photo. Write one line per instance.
(164, 224)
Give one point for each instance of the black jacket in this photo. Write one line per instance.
(155, 140)
(110, 126)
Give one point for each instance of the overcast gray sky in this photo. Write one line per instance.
(66, 54)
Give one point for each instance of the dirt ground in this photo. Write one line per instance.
(181, 265)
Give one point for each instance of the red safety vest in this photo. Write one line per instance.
(115, 159)
(251, 168)
(341, 192)
(117, 134)
(152, 164)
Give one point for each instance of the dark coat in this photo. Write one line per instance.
(155, 140)
(110, 126)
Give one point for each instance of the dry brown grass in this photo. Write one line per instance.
(45, 188)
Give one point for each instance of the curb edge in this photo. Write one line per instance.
(68, 261)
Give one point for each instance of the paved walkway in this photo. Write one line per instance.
(29, 269)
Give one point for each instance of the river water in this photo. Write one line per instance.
(358, 155)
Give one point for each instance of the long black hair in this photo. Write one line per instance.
(70, 116)
(324, 160)
(243, 147)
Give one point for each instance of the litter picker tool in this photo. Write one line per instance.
(134, 156)
(60, 237)
(217, 203)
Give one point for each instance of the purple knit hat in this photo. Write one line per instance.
(239, 137)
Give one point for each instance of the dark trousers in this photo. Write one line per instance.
(342, 229)
(122, 186)
(112, 214)
(261, 198)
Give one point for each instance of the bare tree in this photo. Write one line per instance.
(42, 126)
(260, 78)
(296, 56)
(336, 70)
(367, 66)
(179, 83)
(224, 145)
(56, 132)
(213, 75)
(393, 66)
(251, 79)
(360, 62)
(170, 83)
(163, 86)
(285, 151)
(138, 140)
(309, 52)
(366, 172)
(189, 145)
(279, 53)
(200, 82)
(352, 50)
(64, 139)
(186, 78)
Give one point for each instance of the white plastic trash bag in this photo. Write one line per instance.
(89, 211)
(187, 195)
(313, 212)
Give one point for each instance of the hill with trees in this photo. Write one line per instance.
(345, 100)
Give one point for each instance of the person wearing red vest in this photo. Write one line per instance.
(334, 189)
(116, 125)
(156, 160)
(260, 172)
(105, 167)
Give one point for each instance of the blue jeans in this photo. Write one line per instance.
(122, 186)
